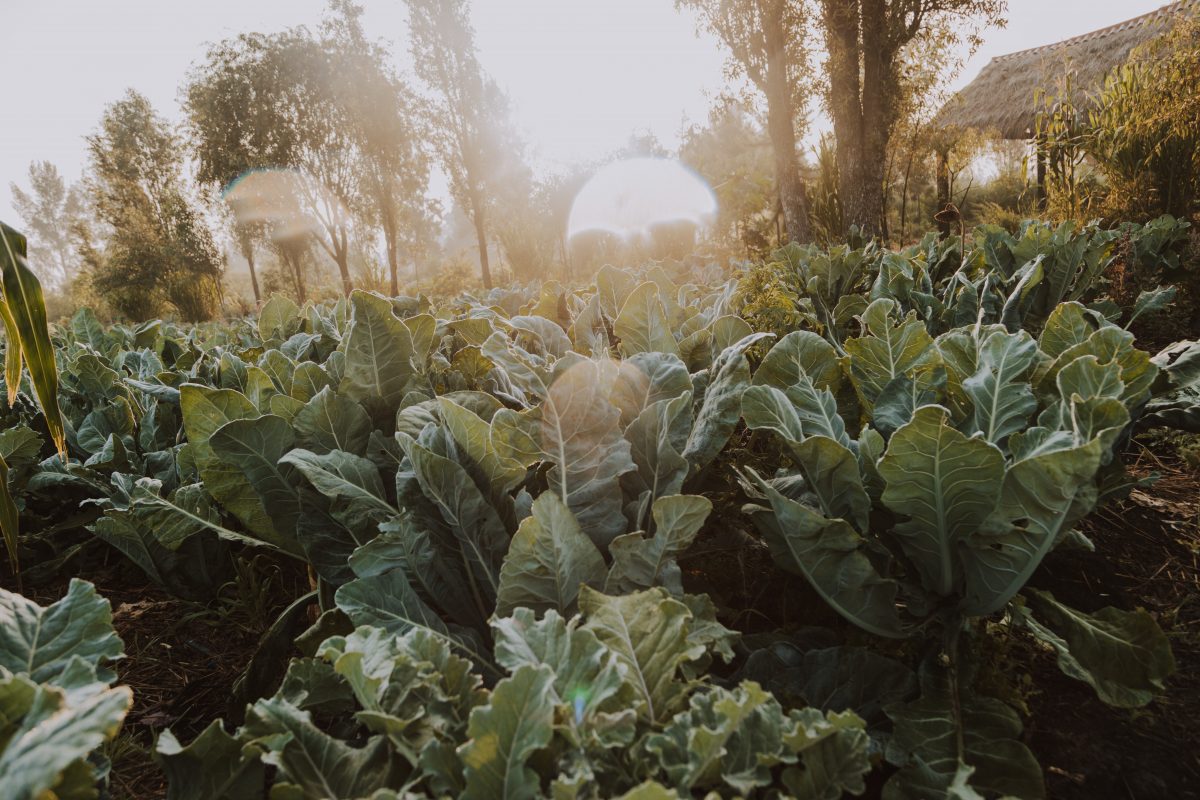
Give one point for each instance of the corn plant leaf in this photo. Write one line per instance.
(24, 300)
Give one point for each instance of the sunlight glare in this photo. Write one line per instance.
(630, 197)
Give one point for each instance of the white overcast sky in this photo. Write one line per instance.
(582, 74)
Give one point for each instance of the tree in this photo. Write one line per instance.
(234, 125)
(734, 154)
(156, 249)
(472, 128)
(866, 41)
(768, 45)
(386, 119)
(50, 210)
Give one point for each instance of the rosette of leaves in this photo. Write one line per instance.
(977, 453)
(586, 707)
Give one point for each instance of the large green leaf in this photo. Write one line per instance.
(649, 633)
(587, 674)
(641, 562)
(656, 438)
(255, 449)
(473, 435)
(647, 378)
(25, 311)
(548, 560)
(643, 325)
(205, 410)
(832, 749)
(330, 421)
(832, 556)
(577, 430)
(887, 350)
(350, 482)
(950, 728)
(945, 485)
(45, 735)
(721, 406)
(1035, 508)
(515, 724)
(1123, 655)
(212, 765)
(318, 764)
(9, 519)
(42, 642)
(379, 358)
(798, 358)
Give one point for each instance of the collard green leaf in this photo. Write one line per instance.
(945, 485)
(515, 724)
(725, 737)
(1036, 506)
(950, 728)
(548, 560)
(721, 406)
(647, 378)
(379, 358)
(47, 734)
(831, 555)
(887, 350)
(318, 764)
(832, 750)
(798, 358)
(643, 325)
(255, 449)
(641, 562)
(330, 421)
(211, 766)
(1152, 301)
(648, 632)
(42, 641)
(577, 430)
(1123, 655)
(656, 438)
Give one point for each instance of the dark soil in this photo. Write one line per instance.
(1148, 556)
(181, 660)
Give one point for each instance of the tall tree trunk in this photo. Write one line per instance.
(862, 89)
(246, 244)
(393, 254)
(781, 128)
(341, 254)
(477, 214)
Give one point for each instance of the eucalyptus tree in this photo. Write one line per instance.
(156, 248)
(471, 124)
(768, 45)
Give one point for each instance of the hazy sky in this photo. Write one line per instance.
(583, 74)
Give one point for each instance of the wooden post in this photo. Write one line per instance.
(943, 194)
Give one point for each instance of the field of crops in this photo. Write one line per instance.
(826, 525)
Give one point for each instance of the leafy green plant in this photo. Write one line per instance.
(978, 453)
(59, 707)
(591, 706)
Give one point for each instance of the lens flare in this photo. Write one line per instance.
(632, 197)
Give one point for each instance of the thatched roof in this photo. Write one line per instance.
(1002, 98)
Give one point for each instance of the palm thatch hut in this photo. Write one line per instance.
(1003, 98)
